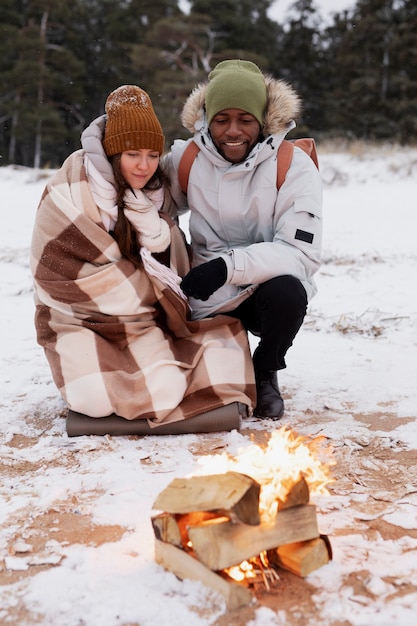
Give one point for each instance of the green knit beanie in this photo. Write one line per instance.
(236, 85)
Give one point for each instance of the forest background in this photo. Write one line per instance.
(356, 74)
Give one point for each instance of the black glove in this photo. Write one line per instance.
(205, 279)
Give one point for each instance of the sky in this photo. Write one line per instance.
(350, 379)
(279, 8)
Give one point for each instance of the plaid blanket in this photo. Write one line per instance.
(118, 339)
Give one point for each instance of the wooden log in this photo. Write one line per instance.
(193, 519)
(221, 545)
(301, 558)
(184, 566)
(298, 493)
(166, 529)
(232, 491)
(174, 528)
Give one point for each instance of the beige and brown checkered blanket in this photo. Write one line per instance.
(117, 339)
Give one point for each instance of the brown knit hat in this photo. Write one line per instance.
(131, 122)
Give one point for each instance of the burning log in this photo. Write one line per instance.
(166, 529)
(211, 525)
(174, 528)
(184, 565)
(303, 557)
(297, 493)
(221, 545)
(233, 492)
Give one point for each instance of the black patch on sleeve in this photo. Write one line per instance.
(303, 235)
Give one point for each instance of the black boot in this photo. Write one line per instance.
(269, 402)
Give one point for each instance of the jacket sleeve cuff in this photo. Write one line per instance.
(228, 259)
(157, 243)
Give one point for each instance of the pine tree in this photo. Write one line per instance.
(368, 82)
(300, 61)
(39, 72)
(242, 29)
(60, 60)
(403, 83)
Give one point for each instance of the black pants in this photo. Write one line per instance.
(275, 313)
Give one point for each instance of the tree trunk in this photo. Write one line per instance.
(38, 136)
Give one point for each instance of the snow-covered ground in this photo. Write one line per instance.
(76, 543)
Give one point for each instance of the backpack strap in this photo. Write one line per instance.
(285, 154)
(309, 146)
(185, 165)
(284, 158)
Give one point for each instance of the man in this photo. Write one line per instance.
(255, 249)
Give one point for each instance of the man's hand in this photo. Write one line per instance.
(205, 279)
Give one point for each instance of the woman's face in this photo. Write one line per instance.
(138, 166)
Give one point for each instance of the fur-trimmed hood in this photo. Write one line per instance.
(282, 108)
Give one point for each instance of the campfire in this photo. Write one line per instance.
(243, 518)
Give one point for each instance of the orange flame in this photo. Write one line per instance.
(277, 464)
(243, 571)
(256, 568)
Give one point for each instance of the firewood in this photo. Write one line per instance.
(184, 566)
(221, 545)
(174, 528)
(301, 558)
(298, 493)
(193, 519)
(166, 528)
(231, 491)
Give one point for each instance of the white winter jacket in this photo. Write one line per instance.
(237, 212)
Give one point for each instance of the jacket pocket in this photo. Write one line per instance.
(305, 204)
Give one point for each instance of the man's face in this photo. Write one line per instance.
(234, 133)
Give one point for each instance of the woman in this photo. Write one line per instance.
(111, 318)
